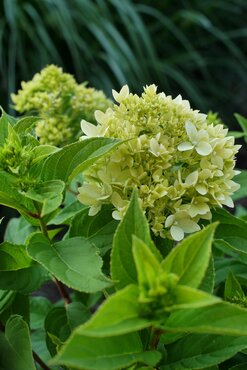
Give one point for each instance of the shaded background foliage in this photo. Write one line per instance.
(192, 47)
(196, 48)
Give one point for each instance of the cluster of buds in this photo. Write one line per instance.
(61, 104)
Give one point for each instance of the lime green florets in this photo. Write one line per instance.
(181, 165)
(60, 102)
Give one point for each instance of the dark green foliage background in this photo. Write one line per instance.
(196, 48)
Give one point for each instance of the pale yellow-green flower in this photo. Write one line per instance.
(181, 164)
(60, 102)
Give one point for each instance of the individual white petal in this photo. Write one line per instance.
(186, 104)
(201, 189)
(89, 129)
(169, 220)
(116, 200)
(116, 215)
(154, 147)
(217, 161)
(193, 210)
(203, 208)
(233, 185)
(94, 210)
(185, 146)
(122, 95)
(178, 99)
(203, 148)
(227, 153)
(189, 226)
(228, 202)
(100, 116)
(192, 178)
(177, 233)
(207, 216)
(202, 116)
(191, 131)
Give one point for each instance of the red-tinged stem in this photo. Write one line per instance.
(40, 362)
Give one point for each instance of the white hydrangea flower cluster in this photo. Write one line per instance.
(181, 165)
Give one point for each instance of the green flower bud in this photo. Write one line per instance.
(60, 102)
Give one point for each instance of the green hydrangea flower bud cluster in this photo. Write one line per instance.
(181, 165)
(60, 102)
(15, 157)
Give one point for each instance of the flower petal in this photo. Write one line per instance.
(228, 202)
(185, 146)
(203, 148)
(89, 129)
(191, 131)
(177, 233)
(94, 210)
(169, 220)
(192, 178)
(122, 95)
(189, 226)
(201, 189)
(100, 116)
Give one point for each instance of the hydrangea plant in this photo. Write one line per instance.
(125, 298)
(181, 164)
(60, 102)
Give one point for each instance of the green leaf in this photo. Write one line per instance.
(39, 345)
(13, 257)
(236, 134)
(39, 307)
(19, 306)
(98, 229)
(187, 297)
(25, 280)
(224, 265)
(6, 297)
(242, 366)
(104, 353)
(16, 353)
(221, 318)
(119, 314)
(74, 261)
(25, 124)
(243, 123)
(231, 229)
(77, 314)
(5, 121)
(123, 268)
(42, 151)
(207, 283)
(147, 265)
(197, 351)
(67, 213)
(17, 230)
(190, 259)
(241, 179)
(72, 159)
(60, 321)
(49, 194)
(233, 289)
(10, 196)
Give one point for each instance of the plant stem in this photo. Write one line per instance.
(156, 333)
(40, 362)
(63, 292)
(43, 228)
